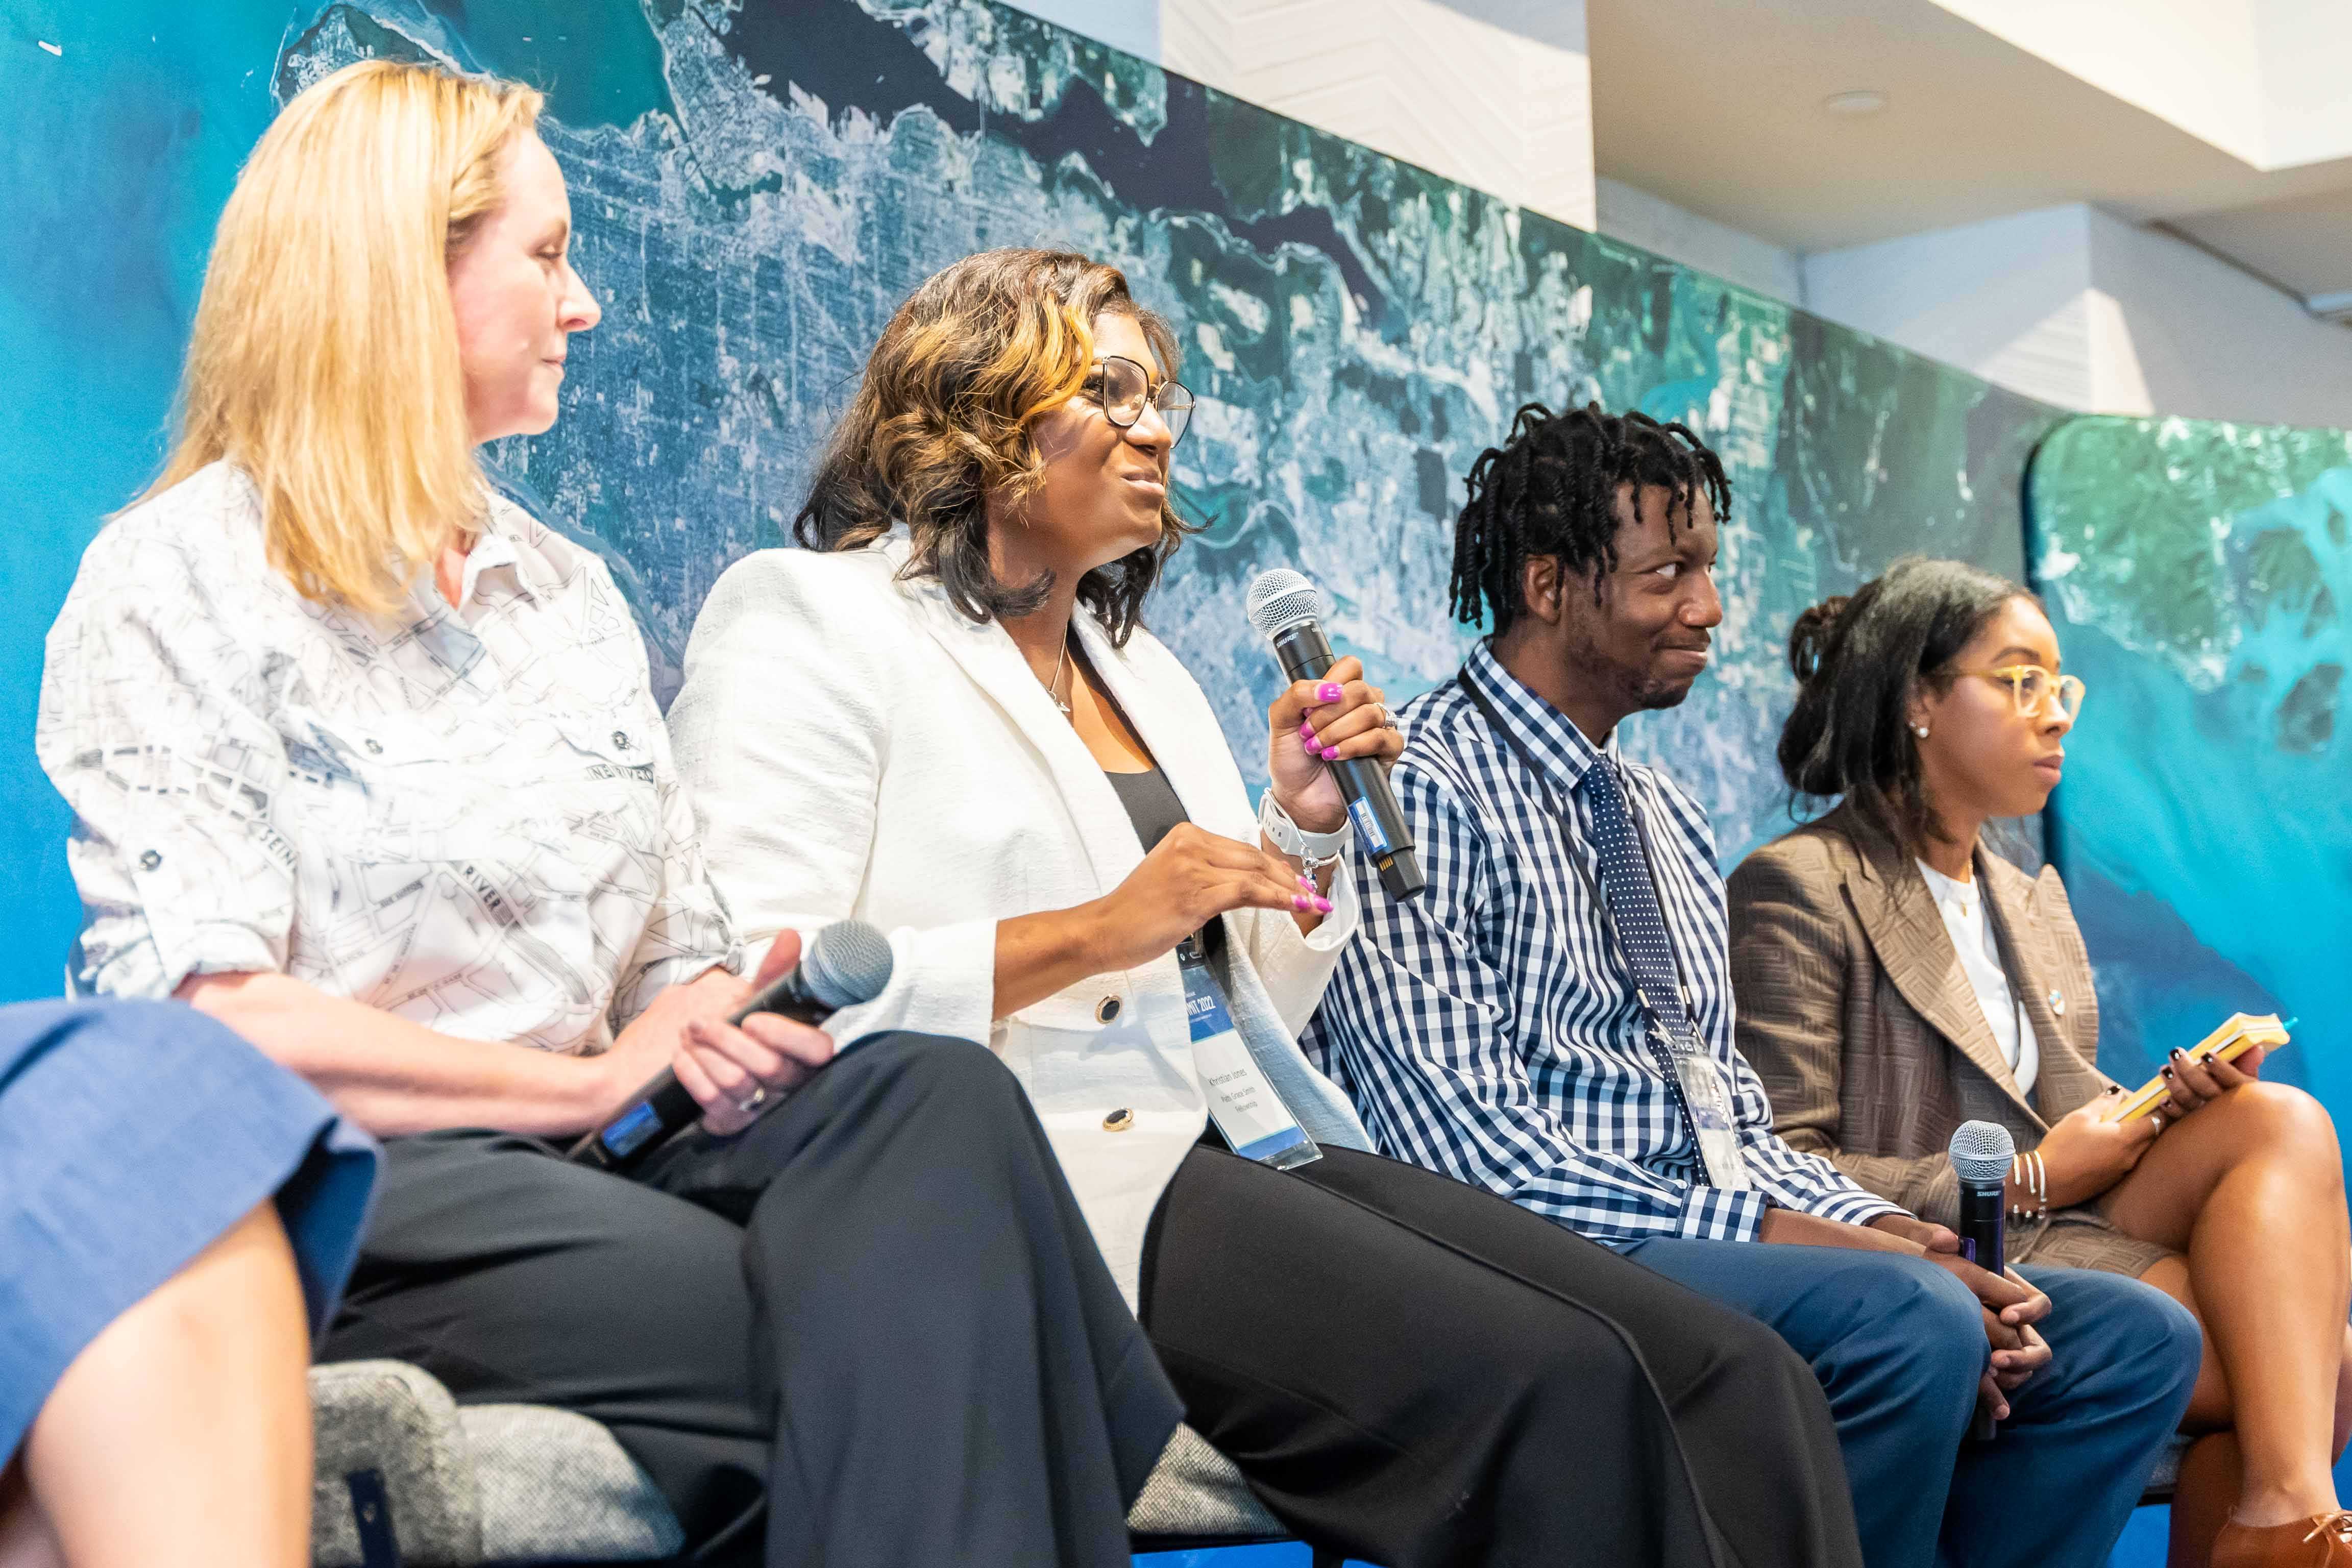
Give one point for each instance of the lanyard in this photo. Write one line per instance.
(1566, 822)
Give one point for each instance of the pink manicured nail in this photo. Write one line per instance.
(1307, 730)
(1329, 752)
(1307, 883)
(1302, 903)
(1322, 906)
(1308, 746)
(1329, 691)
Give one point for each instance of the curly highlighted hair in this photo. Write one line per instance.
(943, 419)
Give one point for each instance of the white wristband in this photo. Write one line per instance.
(1313, 850)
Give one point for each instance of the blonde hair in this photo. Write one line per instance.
(324, 360)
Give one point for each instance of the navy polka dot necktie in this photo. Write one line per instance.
(1633, 900)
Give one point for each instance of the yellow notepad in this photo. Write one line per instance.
(2231, 1040)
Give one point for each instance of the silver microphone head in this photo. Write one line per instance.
(1981, 1152)
(1281, 599)
(848, 962)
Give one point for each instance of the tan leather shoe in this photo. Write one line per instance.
(2323, 1540)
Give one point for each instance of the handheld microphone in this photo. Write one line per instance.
(846, 962)
(1289, 610)
(1981, 1154)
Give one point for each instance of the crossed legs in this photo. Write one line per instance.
(2250, 1190)
(198, 1392)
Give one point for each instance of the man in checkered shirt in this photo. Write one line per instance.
(1552, 1021)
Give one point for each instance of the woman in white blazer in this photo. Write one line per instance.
(946, 720)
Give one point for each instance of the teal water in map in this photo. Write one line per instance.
(2199, 577)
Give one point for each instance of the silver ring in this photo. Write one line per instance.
(753, 1100)
(1387, 719)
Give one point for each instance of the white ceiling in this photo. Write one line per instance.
(1716, 105)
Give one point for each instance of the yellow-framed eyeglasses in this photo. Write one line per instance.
(2033, 685)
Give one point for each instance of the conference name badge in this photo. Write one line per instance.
(1708, 1098)
(1249, 1114)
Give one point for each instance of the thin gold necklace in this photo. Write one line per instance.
(1054, 687)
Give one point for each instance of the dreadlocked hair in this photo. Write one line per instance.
(1551, 488)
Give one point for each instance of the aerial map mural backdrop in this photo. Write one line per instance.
(2201, 577)
(756, 187)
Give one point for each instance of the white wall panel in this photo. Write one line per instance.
(2003, 299)
(1654, 223)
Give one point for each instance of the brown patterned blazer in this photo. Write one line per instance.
(1854, 1010)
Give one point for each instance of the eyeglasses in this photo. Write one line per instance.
(1122, 387)
(2033, 685)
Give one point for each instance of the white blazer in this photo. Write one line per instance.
(856, 747)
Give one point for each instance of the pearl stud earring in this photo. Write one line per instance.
(1920, 730)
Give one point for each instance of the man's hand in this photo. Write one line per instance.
(2017, 1354)
(2010, 1307)
(1931, 1237)
(2007, 1296)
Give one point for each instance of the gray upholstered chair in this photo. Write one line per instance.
(407, 1476)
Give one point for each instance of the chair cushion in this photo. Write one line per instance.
(523, 1483)
(555, 1485)
(2167, 1473)
(1195, 1491)
(487, 1483)
(395, 1420)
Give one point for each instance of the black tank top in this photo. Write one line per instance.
(1152, 806)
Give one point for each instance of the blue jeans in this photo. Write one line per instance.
(1899, 1346)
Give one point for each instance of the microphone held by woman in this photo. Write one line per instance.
(1289, 610)
(848, 962)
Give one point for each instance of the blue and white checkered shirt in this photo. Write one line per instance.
(1487, 1029)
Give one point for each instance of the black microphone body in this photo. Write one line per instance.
(1984, 1212)
(664, 1105)
(1305, 655)
(1982, 1228)
(1982, 1242)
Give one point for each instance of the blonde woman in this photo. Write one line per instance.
(364, 761)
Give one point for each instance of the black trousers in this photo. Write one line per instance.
(1423, 1374)
(876, 1319)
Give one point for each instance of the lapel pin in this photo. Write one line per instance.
(2058, 1003)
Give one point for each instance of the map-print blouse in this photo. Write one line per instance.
(467, 817)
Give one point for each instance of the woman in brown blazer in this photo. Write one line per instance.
(1894, 978)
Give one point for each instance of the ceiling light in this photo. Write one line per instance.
(1863, 100)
